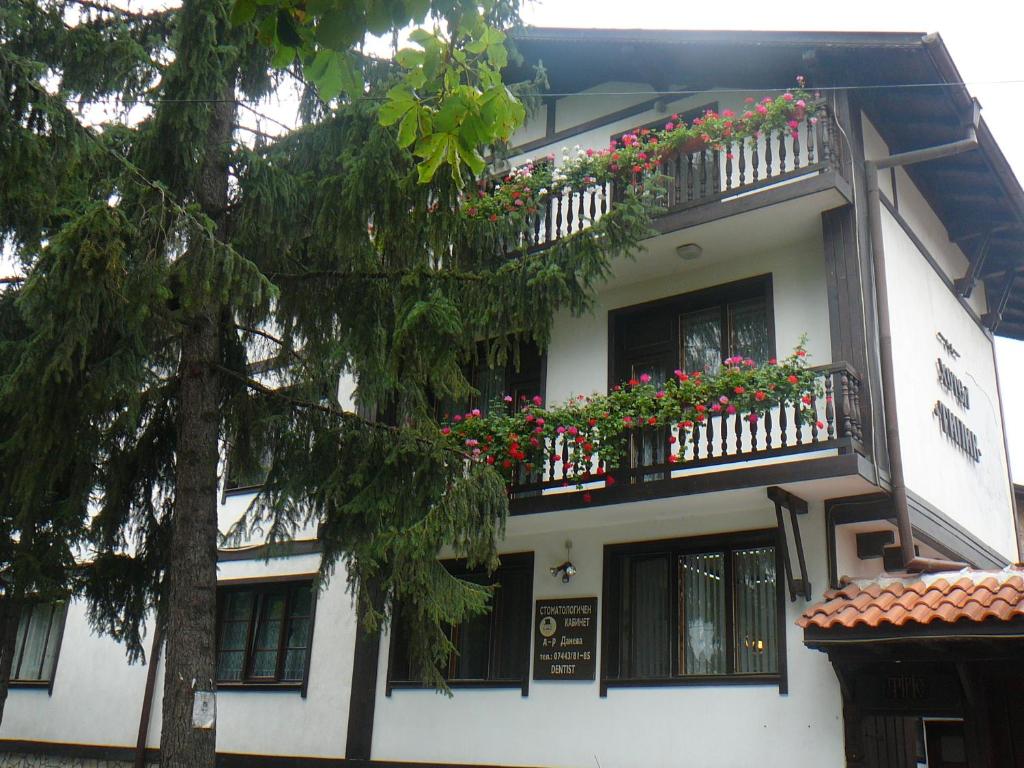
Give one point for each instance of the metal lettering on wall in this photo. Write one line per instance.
(962, 436)
(565, 639)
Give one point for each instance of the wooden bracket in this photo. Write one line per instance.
(785, 500)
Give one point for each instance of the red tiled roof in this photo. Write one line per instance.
(966, 595)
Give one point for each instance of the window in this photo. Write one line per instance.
(492, 649)
(695, 331)
(264, 633)
(38, 643)
(693, 610)
(521, 381)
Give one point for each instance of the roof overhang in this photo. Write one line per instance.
(907, 83)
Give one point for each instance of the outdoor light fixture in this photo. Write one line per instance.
(689, 251)
(566, 569)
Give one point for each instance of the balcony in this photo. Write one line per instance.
(712, 182)
(669, 462)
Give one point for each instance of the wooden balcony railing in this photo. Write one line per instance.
(658, 452)
(703, 176)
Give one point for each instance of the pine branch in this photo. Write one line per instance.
(338, 413)
(122, 12)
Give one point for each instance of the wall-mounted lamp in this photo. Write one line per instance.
(566, 569)
(689, 251)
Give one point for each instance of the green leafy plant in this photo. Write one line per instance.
(633, 159)
(524, 437)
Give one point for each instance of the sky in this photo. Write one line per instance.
(983, 38)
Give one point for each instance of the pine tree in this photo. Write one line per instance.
(164, 258)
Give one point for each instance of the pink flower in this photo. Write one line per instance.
(573, 431)
(820, 425)
(731, 409)
(748, 100)
(590, 152)
(472, 443)
(801, 103)
(793, 124)
(644, 378)
(507, 398)
(537, 400)
(446, 430)
(762, 109)
(560, 430)
(723, 400)
(627, 419)
(787, 96)
(716, 408)
(681, 376)
(540, 422)
(457, 418)
(753, 418)
(669, 126)
(727, 113)
(475, 412)
(659, 394)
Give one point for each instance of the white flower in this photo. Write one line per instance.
(542, 191)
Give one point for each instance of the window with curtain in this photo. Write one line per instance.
(490, 649)
(695, 331)
(689, 609)
(264, 633)
(37, 643)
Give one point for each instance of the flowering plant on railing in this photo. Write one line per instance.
(636, 155)
(589, 435)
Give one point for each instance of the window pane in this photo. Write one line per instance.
(472, 642)
(701, 334)
(50, 657)
(491, 383)
(748, 326)
(264, 663)
(755, 596)
(238, 605)
(268, 635)
(511, 626)
(26, 616)
(649, 654)
(702, 619)
(229, 665)
(35, 642)
(294, 665)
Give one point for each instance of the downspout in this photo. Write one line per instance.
(892, 435)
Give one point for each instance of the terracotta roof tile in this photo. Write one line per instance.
(966, 595)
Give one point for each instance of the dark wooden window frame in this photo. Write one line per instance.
(264, 585)
(728, 542)
(518, 561)
(54, 629)
(675, 306)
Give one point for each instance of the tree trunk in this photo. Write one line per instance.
(191, 596)
(10, 616)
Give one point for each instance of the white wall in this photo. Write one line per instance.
(578, 354)
(97, 695)
(974, 494)
(569, 724)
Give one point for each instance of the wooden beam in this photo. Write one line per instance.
(965, 285)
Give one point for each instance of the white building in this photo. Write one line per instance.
(690, 577)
